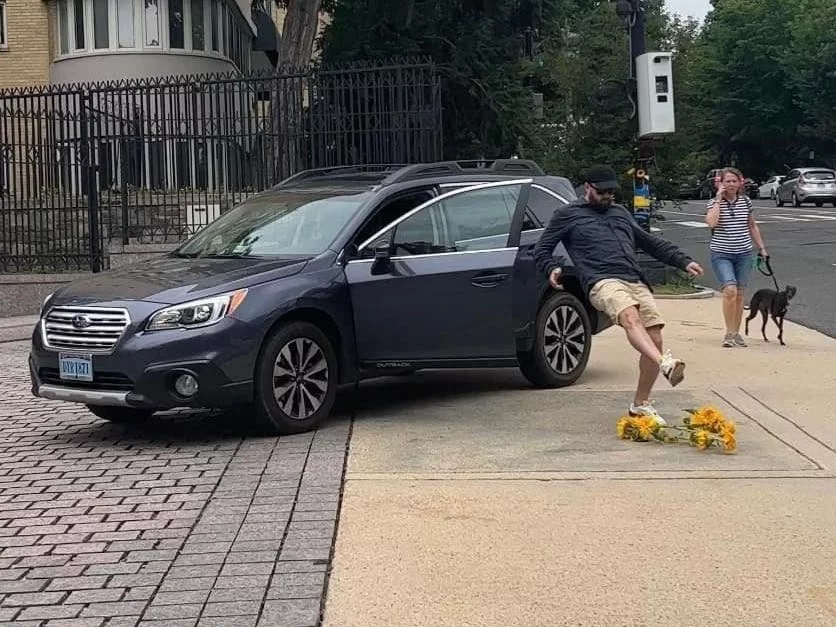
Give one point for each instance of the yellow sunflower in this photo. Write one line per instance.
(729, 439)
(709, 418)
(622, 428)
(701, 439)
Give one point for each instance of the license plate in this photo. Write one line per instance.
(75, 367)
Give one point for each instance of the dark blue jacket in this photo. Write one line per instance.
(602, 244)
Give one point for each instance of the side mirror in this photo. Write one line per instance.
(382, 259)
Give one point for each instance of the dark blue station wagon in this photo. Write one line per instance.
(329, 278)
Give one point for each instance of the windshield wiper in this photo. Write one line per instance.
(228, 256)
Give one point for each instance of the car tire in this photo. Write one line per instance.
(778, 201)
(795, 201)
(561, 345)
(122, 415)
(295, 379)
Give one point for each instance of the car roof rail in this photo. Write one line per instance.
(365, 168)
(476, 166)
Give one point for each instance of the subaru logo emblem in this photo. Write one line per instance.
(81, 321)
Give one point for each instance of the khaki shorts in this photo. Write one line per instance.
(612, 296)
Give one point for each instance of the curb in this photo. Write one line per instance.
(705, 292)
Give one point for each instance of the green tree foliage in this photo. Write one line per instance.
(754, 85)
(810, 70)
(747, 115)
(478, 47)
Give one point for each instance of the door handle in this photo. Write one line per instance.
(488, 280)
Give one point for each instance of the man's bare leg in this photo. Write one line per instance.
(640, 339)
(648, 369)
(631, 322)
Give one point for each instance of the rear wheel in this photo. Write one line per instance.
(296, 379)
(778, 201)
(125, 415)
(561, 345)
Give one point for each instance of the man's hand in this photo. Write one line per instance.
(554, 278)
(694, 269)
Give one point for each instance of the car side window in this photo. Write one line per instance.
(543, 205)
(480, 219)
(391, 211)
(421, 234)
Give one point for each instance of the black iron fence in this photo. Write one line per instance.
(152, 161)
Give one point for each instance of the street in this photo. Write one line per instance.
(802, 248)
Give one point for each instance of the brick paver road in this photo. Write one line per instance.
(188, 521)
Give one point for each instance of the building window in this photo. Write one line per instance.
(152, 23)
(85, 26)
(198, 25)
(101, 24)
(213, 11)
(176, 32)
(4, 41)
(63, 27)
(78, 21)
(125, 23)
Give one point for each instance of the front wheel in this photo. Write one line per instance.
(296, 379)
(122, 415)
(561, 345)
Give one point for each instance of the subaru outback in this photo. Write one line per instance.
(331, 277)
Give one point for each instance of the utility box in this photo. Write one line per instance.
(654, 85)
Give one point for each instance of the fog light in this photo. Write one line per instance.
(185, 385)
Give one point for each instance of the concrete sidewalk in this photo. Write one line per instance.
(473, 500)
(17, 328)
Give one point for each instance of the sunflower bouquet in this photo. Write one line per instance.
(702, 428)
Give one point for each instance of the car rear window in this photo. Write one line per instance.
(820, 175)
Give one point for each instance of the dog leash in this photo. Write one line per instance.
(764, 261)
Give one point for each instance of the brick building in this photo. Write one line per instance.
(24, 60)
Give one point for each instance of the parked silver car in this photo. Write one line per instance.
(807, 185)
(769, 186)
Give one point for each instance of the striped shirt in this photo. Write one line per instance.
(732, 235)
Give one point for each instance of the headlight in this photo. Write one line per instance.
(198, 313)
(43, 305)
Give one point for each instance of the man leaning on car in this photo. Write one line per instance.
(601, 238)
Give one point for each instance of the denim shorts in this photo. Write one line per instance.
(732, 268)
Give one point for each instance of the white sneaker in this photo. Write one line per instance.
(647, 410)
(672, 369)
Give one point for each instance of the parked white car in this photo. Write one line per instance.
(769, 186)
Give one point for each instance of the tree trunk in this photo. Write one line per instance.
(299, 31)
(286, 141)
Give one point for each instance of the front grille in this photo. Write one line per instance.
(110, 381)
(91, 329)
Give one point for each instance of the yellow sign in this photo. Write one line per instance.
(641, 202)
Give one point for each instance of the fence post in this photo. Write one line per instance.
(88, 171)
(123, 187)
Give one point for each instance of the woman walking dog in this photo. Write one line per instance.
(734, 235)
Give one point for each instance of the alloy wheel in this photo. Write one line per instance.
(300, 378)
(565, 339)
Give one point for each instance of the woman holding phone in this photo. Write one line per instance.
(734, 236)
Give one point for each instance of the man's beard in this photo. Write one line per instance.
(603, 203)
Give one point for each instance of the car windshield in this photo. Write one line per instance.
(288, 224)
(820, 175)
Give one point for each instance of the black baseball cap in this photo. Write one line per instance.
(602, 178)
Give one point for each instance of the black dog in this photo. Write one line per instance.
(770, 302)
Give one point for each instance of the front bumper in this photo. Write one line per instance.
(140, 371)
